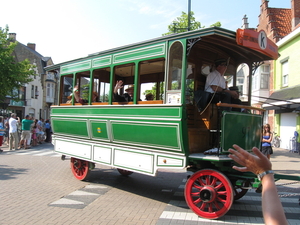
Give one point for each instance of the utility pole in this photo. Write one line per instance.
(189, 15)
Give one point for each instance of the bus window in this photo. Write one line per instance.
(83, 85)
(124, 73)
(101, 84)
(175, 73)
(242, 81)
(190, 84)
(175, 66)
(66, 88)
(151, 78)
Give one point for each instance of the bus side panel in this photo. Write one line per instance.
(71, 127)
(99, 129)
(162, 135)
(135, 161)
(241, 129)
(73, 148)
(102, 154)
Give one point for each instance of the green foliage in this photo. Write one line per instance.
(217, 24)
(180, 24)
(85, 91)
(13, 74)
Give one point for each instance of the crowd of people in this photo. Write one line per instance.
(18, 134)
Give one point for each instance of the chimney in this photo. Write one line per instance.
(245, 24)
(31, 45)
(12, 37)
(295, 8)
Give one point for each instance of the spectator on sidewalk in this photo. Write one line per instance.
(266, 147)
(2, 131)
(48, 131)
(13, 131)
(6, 126)
(26, 125)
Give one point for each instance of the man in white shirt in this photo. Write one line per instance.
(216, 83)
(13, 131)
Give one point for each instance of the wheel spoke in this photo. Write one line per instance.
(203, 206)
(217, 206)
(214, 181)
(200, 181)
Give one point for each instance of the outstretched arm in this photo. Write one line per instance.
(272, 209)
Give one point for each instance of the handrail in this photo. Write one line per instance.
(151, 102)
(239, 106)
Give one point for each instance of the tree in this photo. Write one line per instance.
(13, 74)
(180, 24)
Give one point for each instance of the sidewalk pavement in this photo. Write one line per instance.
(5, 147)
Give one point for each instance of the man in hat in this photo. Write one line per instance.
(216, 83)
(127, 97)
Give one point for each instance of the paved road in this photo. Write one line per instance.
(38, 188)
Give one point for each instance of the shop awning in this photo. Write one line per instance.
(287, 98)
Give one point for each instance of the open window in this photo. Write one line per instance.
(82, 85)
(101, 85)
(151, 78)
(124, 73)
(66, 89)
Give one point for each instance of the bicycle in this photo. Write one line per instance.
(276, 140)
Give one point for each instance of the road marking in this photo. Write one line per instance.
(65, 201)
(79, 192)
(81, 197)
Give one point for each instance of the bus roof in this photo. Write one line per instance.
(223, 39)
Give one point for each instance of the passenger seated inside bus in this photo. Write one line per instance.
(126, 97)
(95, 97)
(149, 97)
(77, 97)
(216, 84)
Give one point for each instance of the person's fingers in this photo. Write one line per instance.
(241, 169)
(257, 152)
(241, 151)
(237, 159)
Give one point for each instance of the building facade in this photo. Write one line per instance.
(282, 26)
(36, 96)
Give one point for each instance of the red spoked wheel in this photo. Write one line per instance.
(80, 168)
(209, 194)
(124, 172)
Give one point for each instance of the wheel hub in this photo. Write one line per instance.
(208, 194)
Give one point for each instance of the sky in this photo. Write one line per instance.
(68, 29)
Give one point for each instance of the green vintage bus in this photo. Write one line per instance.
(172, 130)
